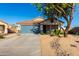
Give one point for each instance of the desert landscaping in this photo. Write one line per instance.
(67, 46)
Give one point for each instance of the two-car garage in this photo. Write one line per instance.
(27, 26)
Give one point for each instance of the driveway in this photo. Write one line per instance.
(23, 45)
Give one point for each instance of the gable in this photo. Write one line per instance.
(51, 21)
(2, 22)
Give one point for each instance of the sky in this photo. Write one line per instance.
(16, 12)
(12, 13)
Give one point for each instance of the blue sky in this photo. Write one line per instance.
(12, 13)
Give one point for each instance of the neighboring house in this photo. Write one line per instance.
(12, 28)
(42, 24)
(6, 28)
(3, 27)
(74, 30)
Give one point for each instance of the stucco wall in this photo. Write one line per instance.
(6, 26)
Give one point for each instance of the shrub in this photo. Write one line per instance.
(52, 33)
(56, 32)
(74, 30)
(77, 33)
(42, 33)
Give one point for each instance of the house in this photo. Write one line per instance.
(50, 24)
(3, 27)
(28, 26)
(6, 28)
(12, 28)
(74, 30)
(43, 25)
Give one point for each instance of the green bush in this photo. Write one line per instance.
(42, 33)
(77, 33)
(56, 32)
(52, 33)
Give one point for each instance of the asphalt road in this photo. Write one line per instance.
(23, 45)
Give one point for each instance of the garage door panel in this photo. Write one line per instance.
(26, 29)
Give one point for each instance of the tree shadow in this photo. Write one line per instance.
(59, 51)
(77, 41)
(73, 45)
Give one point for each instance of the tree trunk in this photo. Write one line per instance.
(65, 33)
(69, 22)
(67, 29)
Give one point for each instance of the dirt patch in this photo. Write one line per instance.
(68, 45)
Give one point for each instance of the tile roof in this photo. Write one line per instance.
(28, 23)
(36, 21)
(31, 22)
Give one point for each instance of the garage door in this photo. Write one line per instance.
(26, 29)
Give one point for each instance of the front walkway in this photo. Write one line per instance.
(24, 45)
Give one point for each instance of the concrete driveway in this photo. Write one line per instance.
(23, 45)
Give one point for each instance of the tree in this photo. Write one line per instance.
(60, 10)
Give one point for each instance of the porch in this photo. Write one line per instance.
(46, 28)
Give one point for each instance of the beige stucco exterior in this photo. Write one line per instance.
(5, 27)
(12, 28)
